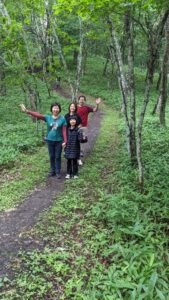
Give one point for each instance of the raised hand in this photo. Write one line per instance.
(23, 108)
(98, 101)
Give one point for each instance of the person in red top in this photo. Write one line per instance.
(83, 111)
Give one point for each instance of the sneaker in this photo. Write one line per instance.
(80, 163)
(75, 177)
(51, 174)
(67, 176)
(58, 176)
(81, 154)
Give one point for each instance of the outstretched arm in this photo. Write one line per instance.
(64, 133)
(32, 113)
(98, 101)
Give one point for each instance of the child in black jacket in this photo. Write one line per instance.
(72, 149)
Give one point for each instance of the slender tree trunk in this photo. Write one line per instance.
(4, 12)
(139, 133)
(156, 106)
(122, 80)
(163, 89)
(79, 60)
(61, 55)
(130, 38)
(2, 80)
(33, 102)
(150, 72)
(158, 81)
(33, 90)
(154, 37)
(120, 66)
(6, 16)
(75, 57)
(112, 60)
(105, 66)
(84, 62)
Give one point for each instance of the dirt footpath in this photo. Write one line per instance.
(13, 223)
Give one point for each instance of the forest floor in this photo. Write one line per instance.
(15, 222)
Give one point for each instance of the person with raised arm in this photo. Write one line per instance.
(83, 111)
(56, 135)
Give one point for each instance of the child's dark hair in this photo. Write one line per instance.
(82, 96)
(55, 104)
(75, 104)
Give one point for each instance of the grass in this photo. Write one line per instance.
(103, 239)
(21, 146)
(18, 133)
(16, 183)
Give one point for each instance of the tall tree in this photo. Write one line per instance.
(164, 75)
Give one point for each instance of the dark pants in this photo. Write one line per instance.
(72, 166)
(55, 151)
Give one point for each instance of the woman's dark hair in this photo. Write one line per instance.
(75, 104)
(55, 104)
(82, 97)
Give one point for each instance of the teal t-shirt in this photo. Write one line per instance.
(54, 128)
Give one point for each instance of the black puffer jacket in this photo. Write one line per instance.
(72, 149)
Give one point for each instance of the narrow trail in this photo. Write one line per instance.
(13, 223)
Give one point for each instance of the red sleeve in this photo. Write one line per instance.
(64, 132)
(36, 115)
(90, 109)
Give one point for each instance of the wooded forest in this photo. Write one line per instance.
(117, 50)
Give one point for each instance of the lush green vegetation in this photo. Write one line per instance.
(18, 133)
(21, 145)
(104, 240)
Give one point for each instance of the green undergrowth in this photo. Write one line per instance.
(17, 182)
(18, 133)
(21, 146)
(103, 239)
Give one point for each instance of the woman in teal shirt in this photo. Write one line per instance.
(56, 135)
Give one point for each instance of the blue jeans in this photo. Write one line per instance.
(55, 151)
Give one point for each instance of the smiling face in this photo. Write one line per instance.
(81, 100)
(55, 110)
(72, 122)
(72, 108)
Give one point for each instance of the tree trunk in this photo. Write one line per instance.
(139, 132)
(105, 66)
(150, 72)
(85, 54)
(154, 37)
(158, 81)
(61, 55)
(4, 12)
(112, 60)
(75, 57)
(164, 73)
(79, 60)
(2, 81)
(33, 103)
(122, 80)
(130, 38)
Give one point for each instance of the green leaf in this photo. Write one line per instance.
(123, 284)
(160, 294)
